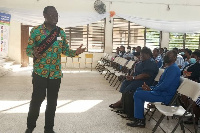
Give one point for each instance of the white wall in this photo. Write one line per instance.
(14, 47)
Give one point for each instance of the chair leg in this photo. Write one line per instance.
(108, 76)
(182, 127)
(181, 118)
(118, 85)
(113, 81)
(111, 77)
(193, 119)
(152, 114)
(105, 74)
(158, 123)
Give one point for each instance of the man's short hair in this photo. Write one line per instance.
(176, 50)
(129, 47)
(196, 53)
(47, 8)
(146, 50)
(174, 53)
(122, 46)
(188, 51)
(157, 50)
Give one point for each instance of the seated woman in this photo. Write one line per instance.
(192, 71)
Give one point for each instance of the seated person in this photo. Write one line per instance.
(162, 92)
(179, 59)
(161, 52)
(128, 55)
(192, 71)
(121, 51)
(145, 71)
(157, 57)
(187, 56)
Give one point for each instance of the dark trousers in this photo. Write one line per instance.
(40, 87)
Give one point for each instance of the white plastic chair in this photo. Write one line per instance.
(188, 88)
(157, 78)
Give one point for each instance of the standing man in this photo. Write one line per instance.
(45, 45)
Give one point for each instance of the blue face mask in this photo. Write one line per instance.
(192, 60)
(182, 53)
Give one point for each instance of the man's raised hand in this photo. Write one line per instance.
(80, 50)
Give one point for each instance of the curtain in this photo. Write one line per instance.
(66, 19)
(167, 26)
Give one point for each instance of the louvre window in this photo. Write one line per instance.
(153, 38)
(184, 40)
(120, 33)
(192, 41)
(92, 36)
(127, 33)
(176, 40)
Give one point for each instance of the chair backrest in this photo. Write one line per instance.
(190, 89)
(116, 59)
(109, 57)
(123, 62)
(120, 60)
(76, 56)
(160, 72)
(88, 55)
(130, 64)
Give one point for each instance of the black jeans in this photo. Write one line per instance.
(40, 85)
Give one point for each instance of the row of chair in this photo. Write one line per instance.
(76, 60)
(187, 87)
(114, 69)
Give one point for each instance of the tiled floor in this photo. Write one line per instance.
(82, 105)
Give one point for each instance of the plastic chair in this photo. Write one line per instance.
(90, 58)
(65, 61)
(160, 72)
(76, 60)
(188, 88)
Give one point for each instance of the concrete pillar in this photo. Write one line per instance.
(165, 40)
(108, 35)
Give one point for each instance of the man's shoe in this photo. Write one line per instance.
(28, 131)
(49, 131)
(137, 123)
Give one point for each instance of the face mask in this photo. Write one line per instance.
(192, 60)
(128, 50)
(182, 53)
(166, 59)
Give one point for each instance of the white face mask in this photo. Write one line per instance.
(128, 50)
